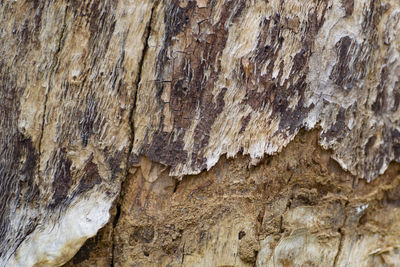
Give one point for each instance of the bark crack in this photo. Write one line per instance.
(342, 234)
(146, 37)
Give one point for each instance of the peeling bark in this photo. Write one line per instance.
(93, 91)
(295, 65)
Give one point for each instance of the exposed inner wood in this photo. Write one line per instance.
(91, 90)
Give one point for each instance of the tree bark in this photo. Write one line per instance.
(218, 133)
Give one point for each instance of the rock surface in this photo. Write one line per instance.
(156, 95)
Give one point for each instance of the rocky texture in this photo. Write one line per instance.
(91, 88)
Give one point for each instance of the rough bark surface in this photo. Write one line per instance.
(94, 93)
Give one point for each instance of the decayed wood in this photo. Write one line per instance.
(296, 208)
(233, 76)
(68, 75)
(88, 87)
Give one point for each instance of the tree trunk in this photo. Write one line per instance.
(215, 133)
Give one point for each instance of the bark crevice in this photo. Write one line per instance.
(342, 233)
(146, 37)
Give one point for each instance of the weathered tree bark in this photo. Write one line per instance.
(242, 132)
